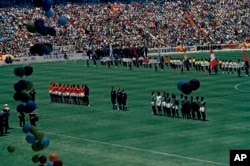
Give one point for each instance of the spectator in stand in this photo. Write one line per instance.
(145, 24)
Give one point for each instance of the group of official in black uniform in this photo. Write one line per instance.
(168, 105)
(119, 99)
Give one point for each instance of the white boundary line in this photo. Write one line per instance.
(138, 149)
(237, 86)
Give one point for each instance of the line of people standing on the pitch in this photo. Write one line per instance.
(69, 93)
(168, 105)
(234, 66)
(118, 99)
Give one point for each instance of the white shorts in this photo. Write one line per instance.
(202, 109)
(175, 107)
(81, 94)
(152, 103)
(73, 94)
(163, 104)
(168, 105)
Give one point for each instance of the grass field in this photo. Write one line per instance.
(98, 135)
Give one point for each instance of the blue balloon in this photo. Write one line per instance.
(30, 138)
(50, 163)
(46, 49)
(49, 13)
(180, 83)
(26, 128)
(45, 142)
(41, 28)
(30, 106)
(62, 20)
(46, 5)
(19, 86)
(186, 88)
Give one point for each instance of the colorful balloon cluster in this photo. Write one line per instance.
(22, 87)
(41, 49)
(35, 137)
(38, 142)
(40, 27)
(187, 87)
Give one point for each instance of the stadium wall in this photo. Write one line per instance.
(58, 53)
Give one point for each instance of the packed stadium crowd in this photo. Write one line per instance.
(138, 24)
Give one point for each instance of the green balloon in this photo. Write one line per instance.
(19, 71)
(24, 97)
(39, 135)
(33, 130)
(34, 147)
(28, 85)
(39, 145)
(31, 27)
(35, 158)
(11, 148)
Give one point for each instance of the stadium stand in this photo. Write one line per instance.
(126, 24)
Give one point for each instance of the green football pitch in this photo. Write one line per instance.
(99, 135)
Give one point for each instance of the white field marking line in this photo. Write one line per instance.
(237, 85)
(138, 149)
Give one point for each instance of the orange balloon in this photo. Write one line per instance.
(53, 157)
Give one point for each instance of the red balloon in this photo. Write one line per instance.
(53, 157)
